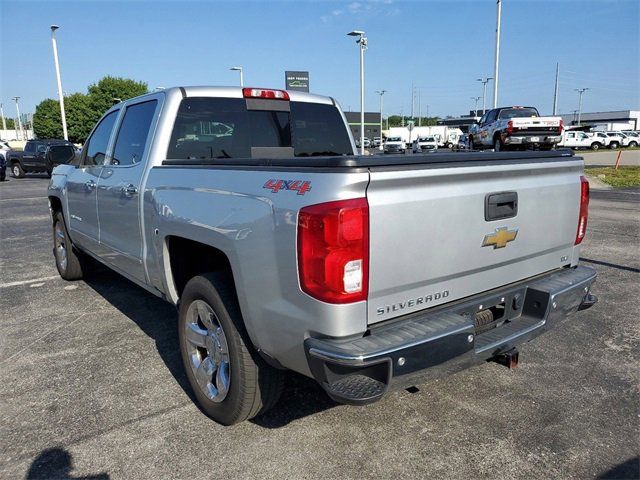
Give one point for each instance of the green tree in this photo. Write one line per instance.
(83, 110)
(47, 122)
(79, 117)
(110, 90)
(10, 123)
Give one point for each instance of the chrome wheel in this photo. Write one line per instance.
(60, 246)
(16, 171)
(208, 351)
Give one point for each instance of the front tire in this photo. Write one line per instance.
(595, 146)
(69, 262)
(633, 144)
(231, 382)
(17, 171)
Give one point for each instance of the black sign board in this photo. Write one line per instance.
(297, 81)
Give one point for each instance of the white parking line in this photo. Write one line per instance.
(26, 282)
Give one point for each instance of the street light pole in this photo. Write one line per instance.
(484, 82)
(239, 69)
(475, 110)
(362, 41)
(60, 92)
(580, 92)
(4, 124)
(555, 91)
(497, 57)
(19, 120)
(381, 93)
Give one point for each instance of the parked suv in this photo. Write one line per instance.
(40, 156)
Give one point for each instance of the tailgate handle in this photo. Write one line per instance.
(498, 206)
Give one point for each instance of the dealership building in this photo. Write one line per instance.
(616, 120)
(371, 124)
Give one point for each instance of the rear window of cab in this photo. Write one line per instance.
(207, 128)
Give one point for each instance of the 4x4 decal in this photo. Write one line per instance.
(275, 185)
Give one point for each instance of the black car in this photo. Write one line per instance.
(40, 156)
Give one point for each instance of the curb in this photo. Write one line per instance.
(596, 184)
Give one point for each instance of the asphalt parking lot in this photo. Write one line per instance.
(91, 384)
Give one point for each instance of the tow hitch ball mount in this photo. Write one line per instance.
(508, 359)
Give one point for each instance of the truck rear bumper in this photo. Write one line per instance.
(419, 347)
(543, 139)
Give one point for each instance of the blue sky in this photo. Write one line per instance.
(442, 46)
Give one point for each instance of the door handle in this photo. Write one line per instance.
(129, 190)
(90, 185)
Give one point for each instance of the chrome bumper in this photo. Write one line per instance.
(418, 347)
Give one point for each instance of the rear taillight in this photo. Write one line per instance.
(265, 93)
(584, 210)
(333, 250)
(561, 126)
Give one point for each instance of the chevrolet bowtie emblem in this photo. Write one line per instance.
(500, 238)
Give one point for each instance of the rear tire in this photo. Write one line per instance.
(614, 145)
(633, 144)
(69, 261)
(497, 145)
(230, 380)
(17, 171)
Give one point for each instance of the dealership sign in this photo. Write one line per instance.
(297, 81)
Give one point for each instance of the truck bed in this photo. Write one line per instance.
(438, 160)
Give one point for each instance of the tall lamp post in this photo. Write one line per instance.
(580, 92)
(484, 82)
(497, 55)
(4, 124)
(239, 69)
(60, 92)
(21, 134)
(362, 42)
(381, 93)
(475, 110)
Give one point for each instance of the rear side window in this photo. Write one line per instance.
(133, 133)
(224, 128)
(61, 154)
(95, 150)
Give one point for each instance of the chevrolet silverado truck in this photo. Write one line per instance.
(282, 250)
(515, 128)
(39, 156)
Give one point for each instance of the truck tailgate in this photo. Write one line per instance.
(428, 227)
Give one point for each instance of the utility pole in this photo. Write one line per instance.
(60, 92)
(580, 92)
(419, 108)
(4, 124)
(497, 58)
(484, 82)
(19, 120)
(475, 109)
(555, 91)
(381, 93)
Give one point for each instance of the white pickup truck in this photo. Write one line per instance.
(515, 128)
(282, 250)
(577, 139)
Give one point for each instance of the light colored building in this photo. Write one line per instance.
(616, 120)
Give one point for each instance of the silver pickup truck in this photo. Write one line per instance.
(248, 210)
